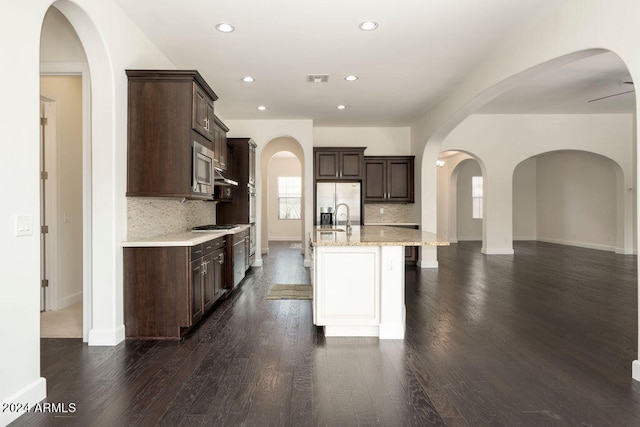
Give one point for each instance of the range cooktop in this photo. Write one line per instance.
(214, 227)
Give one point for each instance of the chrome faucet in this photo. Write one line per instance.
(348, 216)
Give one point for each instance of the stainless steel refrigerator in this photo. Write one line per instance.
(330, 194)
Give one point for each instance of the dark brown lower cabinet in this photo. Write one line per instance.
(167, 290)
(411, 255)
(219, 267)
(196, 308)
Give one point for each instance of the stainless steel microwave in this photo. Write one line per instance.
(202, 167)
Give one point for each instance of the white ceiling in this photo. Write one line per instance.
(420, 51)
(569, 89)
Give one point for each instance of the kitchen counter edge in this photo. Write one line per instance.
(182, 238)
(375, 235)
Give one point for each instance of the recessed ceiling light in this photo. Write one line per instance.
(342, 107)
(262, 108)
(368, 25)
(248, 79)
(351, 78)
(225, 27)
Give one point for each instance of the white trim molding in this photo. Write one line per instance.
(82, 69)
(635, 370)
(106, 337)
(29, 395)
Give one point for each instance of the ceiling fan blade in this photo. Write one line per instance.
(611, 96)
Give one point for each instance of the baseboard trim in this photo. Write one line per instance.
(623, 251)
(71, 300)
(585, 245)
(106, 337)
(635, 370)
(29, 395)
(427, 264)
(497, 251)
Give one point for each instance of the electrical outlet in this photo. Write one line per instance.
(381, 210)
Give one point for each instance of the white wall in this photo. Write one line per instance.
(525, 211)
(66, 91)
(567, 197)
(576, 199)
(281, 229)
(110, 49)
(59, 42)
(501, 142)
(380, 141)
(468, 227)
(575, 30)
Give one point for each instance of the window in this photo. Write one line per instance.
(289, 196)
(476, 196)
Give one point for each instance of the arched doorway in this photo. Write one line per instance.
(575, 198)
(102, 322)
(284, 199)
(65, 88)
(293, 162)
(460, 196)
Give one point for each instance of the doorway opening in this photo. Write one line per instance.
(61, 206)
(282, 205)
(284, 199)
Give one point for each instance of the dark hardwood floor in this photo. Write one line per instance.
(544, 337)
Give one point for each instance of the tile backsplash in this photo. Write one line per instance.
(393, 213)
(150, 216)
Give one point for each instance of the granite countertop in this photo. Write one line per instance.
(374, 235)
(182, 238)
(391, 224)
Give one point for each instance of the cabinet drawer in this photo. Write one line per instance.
(212, 245)
(196, 252)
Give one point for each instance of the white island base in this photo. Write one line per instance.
(359, 291)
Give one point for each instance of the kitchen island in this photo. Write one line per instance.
(358, 279)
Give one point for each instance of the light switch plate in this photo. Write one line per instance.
(24, 225)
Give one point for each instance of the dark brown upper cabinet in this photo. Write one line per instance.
(242, 168)
(167, 111)
(220, 149)
(389, 179)
(203, 119)
(339, 163)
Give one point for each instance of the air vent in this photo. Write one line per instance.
(317, 78)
